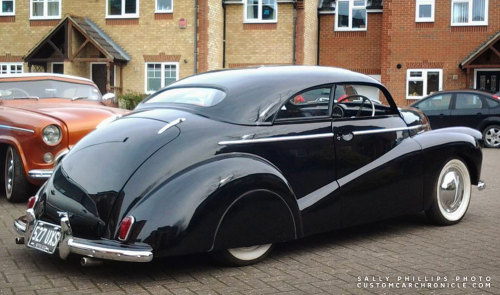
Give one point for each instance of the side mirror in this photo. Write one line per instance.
(109, 97)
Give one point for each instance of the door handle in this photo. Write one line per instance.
(345, 137)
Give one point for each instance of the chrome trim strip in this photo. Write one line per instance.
(19, 226)
(171, 124)
(317, 195)
(373, 131)
(16, 129)
(275, 139)
(59, 156)
(40, 173)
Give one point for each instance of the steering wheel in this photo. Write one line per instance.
(364, 98)
(19, 90)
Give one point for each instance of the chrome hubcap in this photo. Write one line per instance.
(492, 137)
(249, 253)
(9, 172)
(451, 190)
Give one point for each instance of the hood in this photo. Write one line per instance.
(97, 167)
(79, 117)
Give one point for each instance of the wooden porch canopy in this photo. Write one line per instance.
(487, 55)
(77, 39)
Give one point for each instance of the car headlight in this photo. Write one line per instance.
(52, 135)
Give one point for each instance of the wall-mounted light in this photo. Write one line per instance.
(182, 23)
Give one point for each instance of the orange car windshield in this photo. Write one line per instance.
(47, 89)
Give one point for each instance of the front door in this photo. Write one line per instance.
(99, 76)
(488, 81)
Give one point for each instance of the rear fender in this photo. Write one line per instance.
(441, 145)
(184, 214)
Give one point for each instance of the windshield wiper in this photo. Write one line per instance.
(79, 97)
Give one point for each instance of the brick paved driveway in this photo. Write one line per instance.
(405, 250)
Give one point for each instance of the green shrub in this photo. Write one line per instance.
(130, 100)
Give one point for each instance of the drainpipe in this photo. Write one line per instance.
(294, 31)
(224, 37)
(195, 59)
(317, 41)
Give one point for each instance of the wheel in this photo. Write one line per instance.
(491, 136)
(243, 256)
(17, 188)
(451, 195)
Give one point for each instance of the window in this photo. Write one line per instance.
(350, 15)
(469, 12)
(122, 8)
(200, 96)
(159, 75)
(308, 104)
(420, 83)
(436, 103)
(8, 7)
(468, 101)
(45, 9)
(261, 11)
(424, 11)
(11, 68)
(163, 6)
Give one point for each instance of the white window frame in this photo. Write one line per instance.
(8, 65)
(259, 14)
(8, 13)
(45, 11)
(123, 14)
(470, 22)
(424, 80)
(419, 19)
(162, 77)
(351, 8)
(165, 10)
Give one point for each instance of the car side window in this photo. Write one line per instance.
(465, 101)
(307, 104)
(359, 100)
(492, 103)
(436, 103)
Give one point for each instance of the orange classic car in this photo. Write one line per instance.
(41, 117)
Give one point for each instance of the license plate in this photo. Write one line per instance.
(45, 237)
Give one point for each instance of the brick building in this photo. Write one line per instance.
(413, 46)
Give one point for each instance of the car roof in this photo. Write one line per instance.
(253, 94)
(43, 76)
(462, 91)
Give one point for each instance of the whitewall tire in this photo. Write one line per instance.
(243, 255)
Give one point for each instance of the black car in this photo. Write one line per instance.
(231, 162)
(470, 108)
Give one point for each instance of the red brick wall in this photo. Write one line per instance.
(359, 51)
(438, 44)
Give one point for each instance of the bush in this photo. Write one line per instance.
(130, 100)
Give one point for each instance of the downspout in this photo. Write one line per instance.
(195, 59)
(224, 37)
(317, 41)
(294, 31)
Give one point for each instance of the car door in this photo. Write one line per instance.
(300, 145)
(437, 109)
(378, 165)
(468, 109)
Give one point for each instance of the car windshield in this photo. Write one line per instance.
(199, 96)
(48, 89)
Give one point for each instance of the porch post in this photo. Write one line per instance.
(108, 77)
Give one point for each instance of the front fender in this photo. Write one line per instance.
(183, 214)
(441, 145)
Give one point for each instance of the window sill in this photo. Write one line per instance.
(7, 19)
(260, 22)
(350, 30)
(469, 25)
(122, 21)
(43, 22)
(165, 11)
(415, 98)
(133, 16)
(45, 18)
(424, 21)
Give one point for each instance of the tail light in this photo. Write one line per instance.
(31, 202)
(125, 228)
(495, 96)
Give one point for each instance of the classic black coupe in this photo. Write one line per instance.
(231, 162)
(470, 108)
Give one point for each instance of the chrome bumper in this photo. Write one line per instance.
(40, 173)
(102, 248)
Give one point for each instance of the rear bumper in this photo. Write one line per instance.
(102, 248)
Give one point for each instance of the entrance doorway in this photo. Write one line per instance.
(98, 75)
(488, 80)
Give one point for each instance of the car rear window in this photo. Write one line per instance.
(492, 103)
(199, 96)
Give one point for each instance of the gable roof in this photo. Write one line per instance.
(480, 49)
(89, 29)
